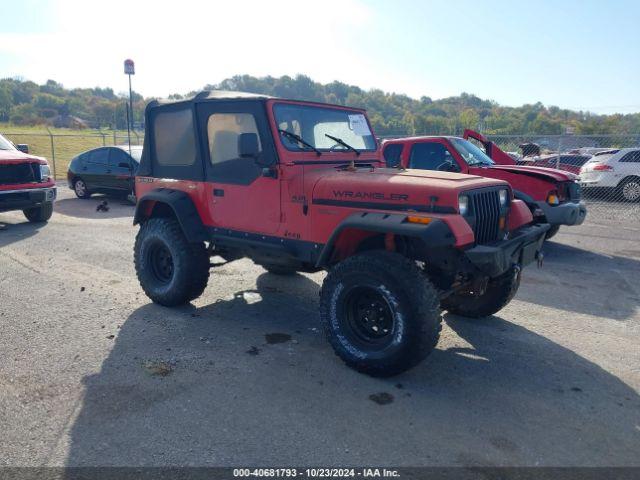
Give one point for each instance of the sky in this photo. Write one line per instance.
(582, 55)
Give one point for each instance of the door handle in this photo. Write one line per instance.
(218, 192)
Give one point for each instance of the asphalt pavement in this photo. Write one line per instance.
(93, 373)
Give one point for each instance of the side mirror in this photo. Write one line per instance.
(23, 147)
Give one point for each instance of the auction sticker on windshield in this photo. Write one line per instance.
(358, 123)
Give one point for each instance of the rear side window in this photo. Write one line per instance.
(174, 139)
(100, 157)
(429, 156)
(392, 154)
(631, 157)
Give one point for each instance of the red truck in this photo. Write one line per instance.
(25, 183)
(299, 187)
(553, 196)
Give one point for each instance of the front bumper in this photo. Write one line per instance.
(26, 198)
(569, 213)
(522, 248)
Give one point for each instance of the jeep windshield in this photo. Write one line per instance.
(312, 124)
(470, 153)
(5, 144)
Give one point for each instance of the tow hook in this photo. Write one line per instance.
(540, 259)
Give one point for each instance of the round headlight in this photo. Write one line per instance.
(503, 195)
(463, 204)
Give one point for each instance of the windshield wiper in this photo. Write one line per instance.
(300, 140)
(343, 143)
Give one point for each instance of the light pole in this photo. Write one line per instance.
(129, 69)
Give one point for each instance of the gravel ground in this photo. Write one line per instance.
(92, 373)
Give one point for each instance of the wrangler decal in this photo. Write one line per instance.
(370, 195)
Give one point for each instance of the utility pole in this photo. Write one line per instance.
(129, 69)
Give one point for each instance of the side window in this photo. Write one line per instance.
(631, 157)
(223, 132)
(174, 139)
(429, 156)
(99, 157)
(392, 154)
(117, 156)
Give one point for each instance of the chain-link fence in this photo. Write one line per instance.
(60, 148)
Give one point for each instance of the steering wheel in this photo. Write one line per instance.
(446, 163)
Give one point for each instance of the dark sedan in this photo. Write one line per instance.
(104, 170)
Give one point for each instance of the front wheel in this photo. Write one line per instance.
(171, 271)
(39, 214)
(498, 293)
(380, 313)
(80, 189)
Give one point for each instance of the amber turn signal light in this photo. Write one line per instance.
(422, 220)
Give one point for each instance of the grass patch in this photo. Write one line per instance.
(67, 142)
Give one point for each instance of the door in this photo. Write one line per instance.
(120, 170)
(95, 169)
(241, 195)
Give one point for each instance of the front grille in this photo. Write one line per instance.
(485, 209)
(13, 174)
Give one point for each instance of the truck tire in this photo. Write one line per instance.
(171, 271)
(39, 214)
(499, 292)
(380, 313)
(552, 231)
(279, 269)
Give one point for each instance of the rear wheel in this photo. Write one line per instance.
(629, 189)
(39, 214)
(80, 188)
(498, 293)
(171, 271)
(380, 313)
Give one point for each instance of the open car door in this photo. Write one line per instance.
(490, 148)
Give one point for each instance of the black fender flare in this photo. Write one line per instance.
(183, 208)
(435, 234)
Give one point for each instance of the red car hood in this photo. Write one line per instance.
(394, 187)
(540, 172)
(15, 156)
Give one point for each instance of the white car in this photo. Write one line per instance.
(615, 170)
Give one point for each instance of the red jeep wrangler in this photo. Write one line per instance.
(299, 186)
(25, 183)
(552, 196)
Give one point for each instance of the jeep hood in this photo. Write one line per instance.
(8, 157)
(539, 172)
(395, 189)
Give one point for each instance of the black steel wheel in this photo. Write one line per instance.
(171, 271)
(380, 313)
